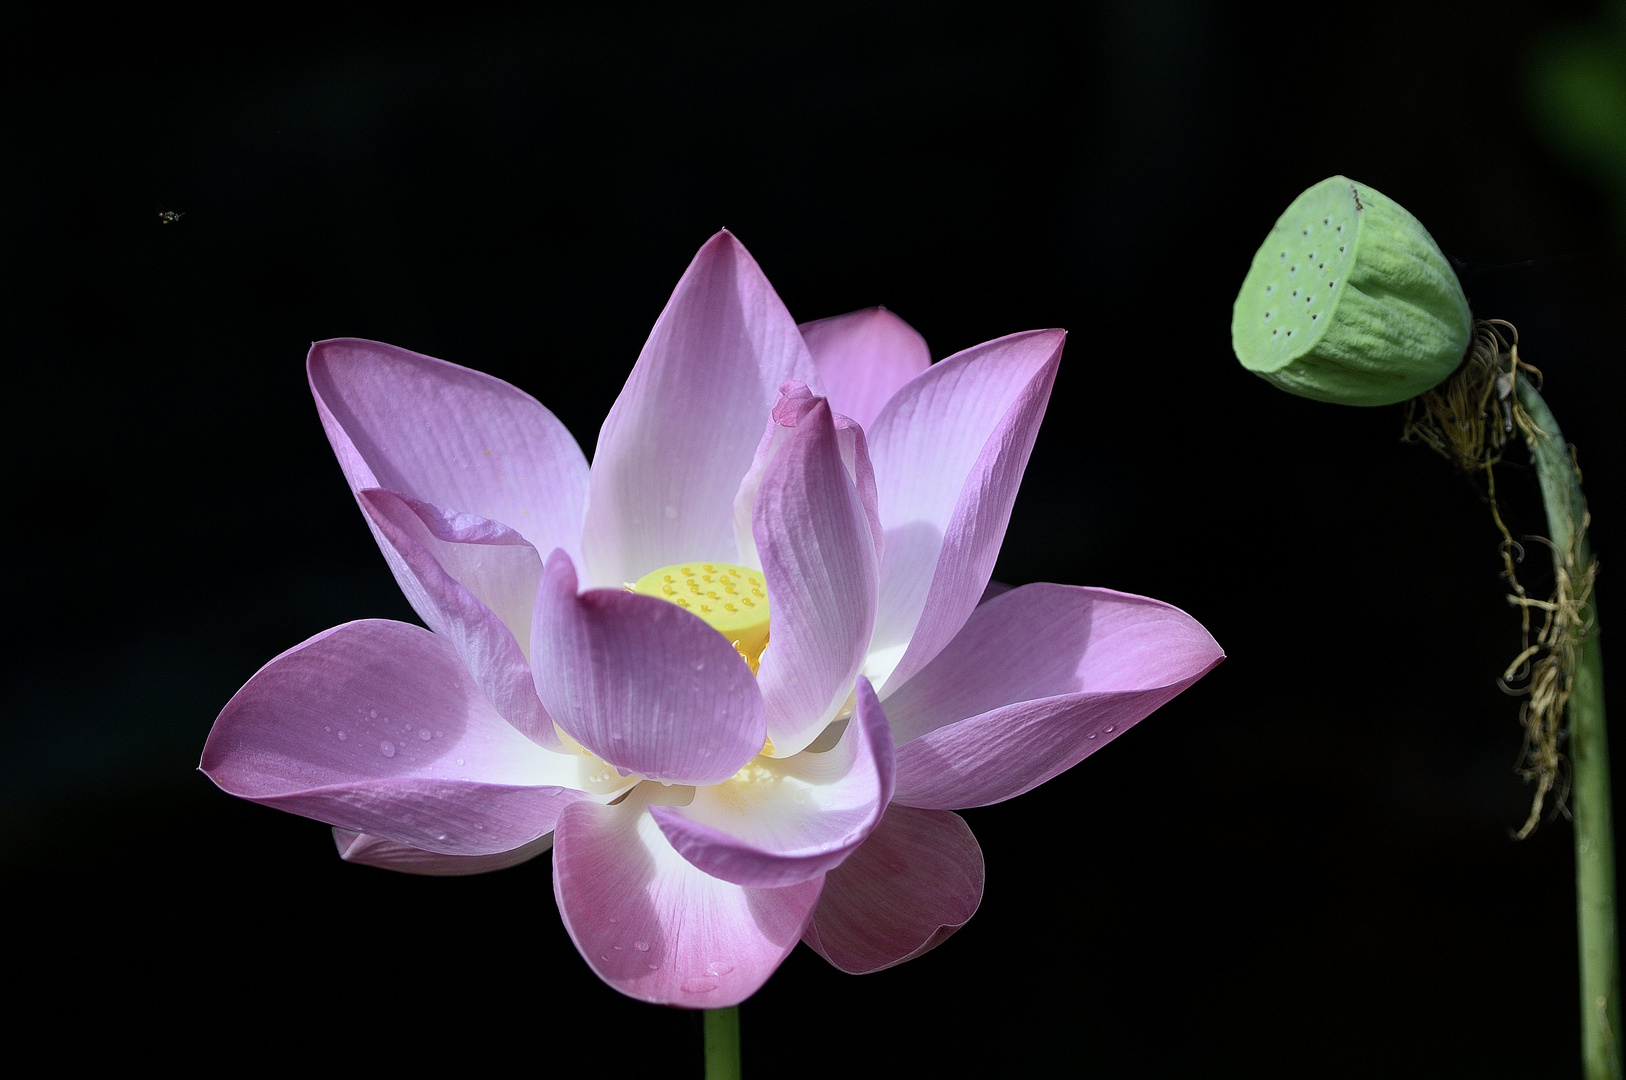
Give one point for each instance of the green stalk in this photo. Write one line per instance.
(1589, 760)
(723, 1044)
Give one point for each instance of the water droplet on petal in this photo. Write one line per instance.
(1091, 735)
(1109, 729)
(641, 946)
(698, 986)
(326, 728)
(460, 761)
(386, 748)
(426, 735)
(438, 734)
(717, 967)
(654, 967)
(343, 736)
(373, 713)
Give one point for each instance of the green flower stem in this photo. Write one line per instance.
(1589, 761)
(723, 1043)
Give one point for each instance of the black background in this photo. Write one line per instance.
(1300, 867)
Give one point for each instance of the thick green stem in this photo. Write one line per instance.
(723, 1044)
(1589, 760)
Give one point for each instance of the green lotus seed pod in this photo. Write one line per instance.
(1351, 301)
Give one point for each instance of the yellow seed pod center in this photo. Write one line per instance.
(732, 599)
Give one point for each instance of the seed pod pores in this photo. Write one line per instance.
(1350, 300)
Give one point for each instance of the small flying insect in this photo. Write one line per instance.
(170, 217)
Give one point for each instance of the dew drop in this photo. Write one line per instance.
(327, 729)
(426, 735)
(654, 967)
(373, 713)
(697, 986)
(440, 836)
(386, 748)
(460, 761)
(343, 736)
(1110, 729)
(642, 946)
(717, 967)
(438, 734)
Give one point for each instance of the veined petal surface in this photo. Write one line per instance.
(1038, 679)
(781, 821)
(949, 450)
(915, 882)
(656, 928)
(473, 581)
(818, 558)
(453, 437)
(863, 358)
(367, 850)
(796, 400)
(683, 432)
(643, 684)
(376, 727)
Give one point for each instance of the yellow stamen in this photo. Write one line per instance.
(731, 599)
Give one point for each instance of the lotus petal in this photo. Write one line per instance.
(655, 927)
(915, 882)
(375, 726)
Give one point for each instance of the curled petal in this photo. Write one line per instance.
(1039, 678)
(683, 432)
(652, 925)
(376, 727)
(795, 402)
(643, 684)
(449, 436)
(367, 850)
(473, 581)
(818, 558)
(863, 358)
(949, 451)
(915, 882)
(785, 820)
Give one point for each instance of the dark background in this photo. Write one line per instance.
(1300, 867)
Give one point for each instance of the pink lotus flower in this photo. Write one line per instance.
(705, 813)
